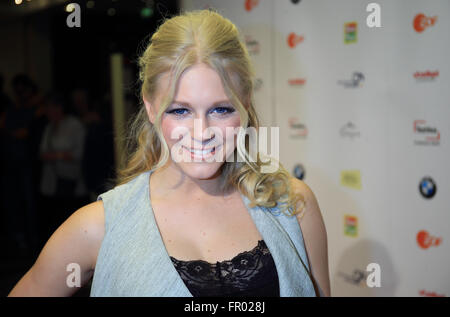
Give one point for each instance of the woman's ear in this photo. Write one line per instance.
(150, 110)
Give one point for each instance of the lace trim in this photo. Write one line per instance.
(261, 246)
(250, 272)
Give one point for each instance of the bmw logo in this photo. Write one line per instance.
(427, 187)
(299, 171)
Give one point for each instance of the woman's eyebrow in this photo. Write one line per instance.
(187, 104)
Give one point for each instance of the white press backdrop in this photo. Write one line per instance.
(366, 113)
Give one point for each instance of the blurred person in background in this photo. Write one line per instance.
(61, 152)
(36, 128)
(98, 159)
(80, 103)
(19, 203)
(5, 103)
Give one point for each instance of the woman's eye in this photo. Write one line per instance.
(224, 110)
(217, 110)
(178, 112)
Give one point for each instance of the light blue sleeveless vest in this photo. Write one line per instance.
(133, 260)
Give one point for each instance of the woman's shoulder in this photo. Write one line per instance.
(308, 197)
(88, 225)
(131, 187)
(122, 198)
(91, 218)
(300, 187)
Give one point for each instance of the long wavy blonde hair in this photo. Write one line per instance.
(204, 36)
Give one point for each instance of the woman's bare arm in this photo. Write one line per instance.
(315, 238)
(77, 241)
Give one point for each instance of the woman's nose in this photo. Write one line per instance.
(202, 132)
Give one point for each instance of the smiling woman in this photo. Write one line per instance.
(168, 84)
(172, 227)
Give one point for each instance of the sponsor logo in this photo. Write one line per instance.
(252, 45)
(426, 75)
(350, 32)
(250, 4)
(426, 134)
(425, 293)
(350, 226)
(297, 82)
(356, 81)
(299, 171)
(297, 129)
(422, 22)
(349, 130)
(371, 277)
(293, 39)
(357, 277)
(427, 187)
(351, 179)
(425, 240)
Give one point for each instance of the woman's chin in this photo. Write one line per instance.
(202, 170)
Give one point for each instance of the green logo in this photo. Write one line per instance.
(350, 225)
(350, 32)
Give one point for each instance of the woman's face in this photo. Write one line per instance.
(199, 126)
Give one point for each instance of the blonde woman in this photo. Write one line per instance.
(179, 223)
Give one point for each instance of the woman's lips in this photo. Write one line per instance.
(201, 154)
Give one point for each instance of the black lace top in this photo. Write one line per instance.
(250, 273)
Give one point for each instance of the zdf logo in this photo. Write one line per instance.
(425, 240)
(421, 22)
(250, 4)
(293, 39)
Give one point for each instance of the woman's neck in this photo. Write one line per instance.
(171, 179)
